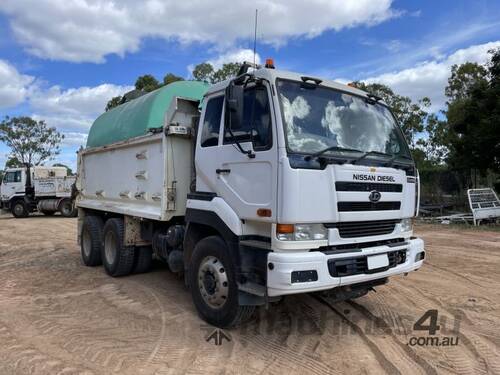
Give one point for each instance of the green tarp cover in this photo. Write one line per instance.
(138, 116)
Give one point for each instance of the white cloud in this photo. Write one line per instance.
(76, 102)
(14, 87)
(74, 109)
(72, 139)
(430, 78)
(88, 30)
(236, 55)
(75, 122)
(72, 112)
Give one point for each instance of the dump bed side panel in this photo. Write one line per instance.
(53, 186)
(126, 177)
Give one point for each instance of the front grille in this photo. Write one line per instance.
(359, 246)
(368, 186)
(359, 265)
(368, 206)
(351, 229)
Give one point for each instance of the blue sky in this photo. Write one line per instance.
(61, 60)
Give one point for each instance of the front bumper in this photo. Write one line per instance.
(282, 264)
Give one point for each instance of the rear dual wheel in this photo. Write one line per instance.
(91, 240)
(103, 244)
(117, 258)
(143, 259)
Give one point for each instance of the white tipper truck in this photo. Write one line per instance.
(269, 184)
(40, 188)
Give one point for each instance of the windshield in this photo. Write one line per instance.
(318, 117)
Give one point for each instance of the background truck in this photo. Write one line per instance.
(269, 184)
(44, 189)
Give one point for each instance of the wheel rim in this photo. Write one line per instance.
(66, 208)
(86, 243)
(18, 209)
(110, 247)
(213, 282)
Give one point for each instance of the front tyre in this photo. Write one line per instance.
(19, 209)
(213, 284)
(117, 258)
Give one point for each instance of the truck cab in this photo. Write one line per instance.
(12, 186)
(317, 172)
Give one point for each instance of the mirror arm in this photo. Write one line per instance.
(249, 153)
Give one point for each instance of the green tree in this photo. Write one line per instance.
(436, 144)
(114, 102)
(411, 115)
(68, 169)
(13, 162)
(463, 78)
(474, 116)
(30, 141)
(228, 70)
(206, 72)
(203, 72)
(143, 84)
(147, 83)
(170, 77)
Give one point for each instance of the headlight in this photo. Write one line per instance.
(301, 232)
(406, 225)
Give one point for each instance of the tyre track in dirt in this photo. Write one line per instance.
(93, 341)
(478, 361)
(23, 357)
(384, 362)
(379, 322)
(409, 360)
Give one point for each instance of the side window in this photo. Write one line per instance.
(12, 177)
(9, 177)
(211, 122)
(256, 125)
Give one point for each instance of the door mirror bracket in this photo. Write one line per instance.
(234, 112)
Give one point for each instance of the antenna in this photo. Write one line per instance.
(255, 37)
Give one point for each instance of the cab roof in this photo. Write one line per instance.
(273, 74)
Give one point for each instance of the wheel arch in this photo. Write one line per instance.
(202, 224)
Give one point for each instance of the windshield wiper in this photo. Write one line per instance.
(355, 161)
(331, 148)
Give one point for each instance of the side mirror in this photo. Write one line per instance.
(234, 105)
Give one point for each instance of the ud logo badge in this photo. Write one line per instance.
(374, 196)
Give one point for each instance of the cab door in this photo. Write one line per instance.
(249, 185)
(208, 143)
(12, 184)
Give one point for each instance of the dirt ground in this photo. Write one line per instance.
(59, 317)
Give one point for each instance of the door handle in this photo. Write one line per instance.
(219, 171)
